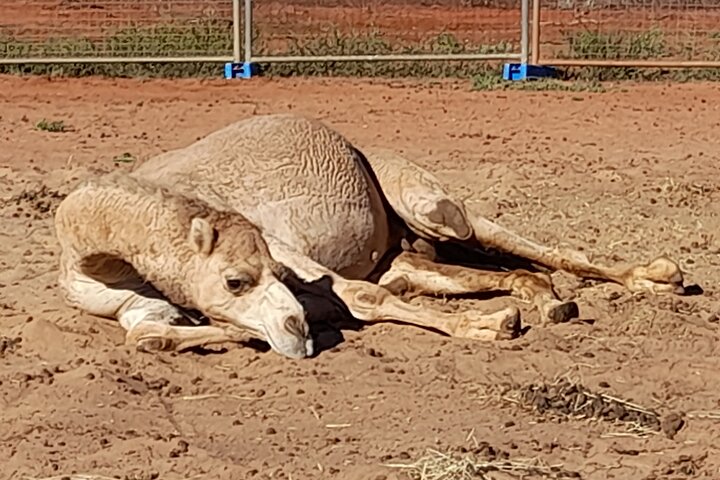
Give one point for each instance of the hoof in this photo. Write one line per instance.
(562, 312)
(154, 345)
(662, 275)
(511, 326)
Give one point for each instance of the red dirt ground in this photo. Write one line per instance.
(625, 175)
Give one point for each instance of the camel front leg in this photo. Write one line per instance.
(414, 274)
(149, 336)
(111, 288)
(418, 197)
(371, 303)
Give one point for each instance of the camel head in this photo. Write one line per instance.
(235, 279)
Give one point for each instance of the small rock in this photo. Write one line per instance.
(672, 424)
(181, 449)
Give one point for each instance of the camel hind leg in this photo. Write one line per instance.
(430, 212)
(414, 274)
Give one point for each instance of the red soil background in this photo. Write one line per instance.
(625, 175)
(686, 25)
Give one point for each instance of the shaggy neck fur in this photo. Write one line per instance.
(144, 225)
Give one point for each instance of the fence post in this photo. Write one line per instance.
(535, 50)
(241, 67)
(236, 31)
(524, 25)
(526, 70)
(248, 31)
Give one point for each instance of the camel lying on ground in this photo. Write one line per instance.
(148, 257)
(251, 220)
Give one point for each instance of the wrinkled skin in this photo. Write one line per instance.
(326, 209)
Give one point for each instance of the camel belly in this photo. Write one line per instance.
(295, 178)
(348, 238)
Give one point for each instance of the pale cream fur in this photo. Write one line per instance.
(325, 209)
(146, 256)
(139, 253)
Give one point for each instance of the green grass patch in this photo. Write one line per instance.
(210, 38)
(496, 82)
(53, 126)
(648, 45)
(125, 157)
(213, 38)
(375, 43)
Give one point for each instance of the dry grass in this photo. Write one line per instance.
(440, 466)
(74, 476)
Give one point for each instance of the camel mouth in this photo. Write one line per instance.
(291, 346)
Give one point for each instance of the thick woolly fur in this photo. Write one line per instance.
(294, 177)
(120, 218)
(286, 188)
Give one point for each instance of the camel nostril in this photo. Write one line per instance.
(296, 326)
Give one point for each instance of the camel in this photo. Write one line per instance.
(363, 230)
(152, 258)
(141, 254)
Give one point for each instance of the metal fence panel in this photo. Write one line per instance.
(365, 29)
(630, 32)
(118, 31)
(115, 30)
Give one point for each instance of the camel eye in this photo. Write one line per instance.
(236, 285)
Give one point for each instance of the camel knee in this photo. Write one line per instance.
(364, 300)
(662, 275)
(527, 285)
(147, 310)
(504, 324)
(451, 219)
(82, 292)
(397, 285)
(124, 304)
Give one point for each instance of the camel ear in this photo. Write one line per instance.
(202, 236)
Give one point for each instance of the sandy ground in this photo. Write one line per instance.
(625, 175)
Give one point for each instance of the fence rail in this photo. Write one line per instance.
(622, 33)
(629, 33)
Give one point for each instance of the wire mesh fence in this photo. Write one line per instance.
(325, 34)
(630, 31)
(198, 31)
(339, 27)
(115, 29)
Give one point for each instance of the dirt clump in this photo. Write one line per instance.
(685, 466)
(569, 399)
(37, 203)
(672, 424)
(9, 345)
